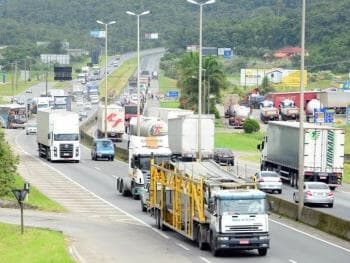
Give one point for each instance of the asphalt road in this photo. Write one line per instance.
(287, 245)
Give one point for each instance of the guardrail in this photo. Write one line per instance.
(320, 220)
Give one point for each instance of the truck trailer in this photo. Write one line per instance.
(115, 122)
(335, 100)
(58, 135)
(183, 134)
(208, 205)
(323, 152)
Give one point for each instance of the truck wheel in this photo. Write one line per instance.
(143, 207)
(214, 250)
(201, 243)
(157, 215)
(123, 190)
(118, 185)
(48, 155)
(262, 251)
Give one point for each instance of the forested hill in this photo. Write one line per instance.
(252, 27)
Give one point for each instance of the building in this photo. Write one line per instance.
(288, 52)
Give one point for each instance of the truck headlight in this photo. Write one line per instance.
(77, 152)
(223, 238)
(263, 237)
(55, 151)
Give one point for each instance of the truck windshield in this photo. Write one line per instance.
(66, 137)
(144, 163)
(245, 206)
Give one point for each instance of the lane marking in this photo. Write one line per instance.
(92, 193)
(205, 259)
(97, 168)
(76, 254)
(292, 261)
(182, 246)
(311, 236)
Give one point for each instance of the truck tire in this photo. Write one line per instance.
(214, 250)
(123, 190)
(157, 216)
(201, 243)
(143, 207)
(262, 251)
(117, 185)
(48, 155)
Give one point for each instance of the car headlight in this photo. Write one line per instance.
(223, 238)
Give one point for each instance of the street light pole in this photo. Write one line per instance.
(138, 66)
(301, 117)
(106, 75)
(199, 128)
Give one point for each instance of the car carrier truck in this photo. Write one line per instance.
(206, 204)
(323, 152)
(58, 135)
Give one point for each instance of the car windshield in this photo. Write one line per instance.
(66, 137)
(318, 186)
(105, 144)
(271, 174)
(245, 206)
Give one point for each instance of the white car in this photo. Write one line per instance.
(31, 129)
(269, 181)
(316, 193)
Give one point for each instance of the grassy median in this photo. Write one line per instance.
(35, 245)
(166, 84)
(37, 199)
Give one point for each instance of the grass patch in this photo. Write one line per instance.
(37, 199)
(346, 176)
(170, 104)
(254, 158)
(219, 123)
(36, 245)
(166, 84)
(3, 101)
(62, 84)
(119, 78)
(347, 140)
(238, 141)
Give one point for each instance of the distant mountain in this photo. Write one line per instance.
(252, 27)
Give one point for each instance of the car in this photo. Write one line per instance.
(224, 156)
(29, 91)
(268, 181)
(102, 149)
(316, 193)
(82, 115)
(115, 63)
(31, 129)
(87, 106)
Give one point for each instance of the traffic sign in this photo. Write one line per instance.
(323, 116)
(172, 94)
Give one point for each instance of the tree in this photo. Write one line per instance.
(55, 47)
(251, 125)
(214, 77)
(265, 86)
(8, 167)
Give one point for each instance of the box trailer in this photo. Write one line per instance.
(115, 121)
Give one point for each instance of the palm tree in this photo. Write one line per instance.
(187, 72)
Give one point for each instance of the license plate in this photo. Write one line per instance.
(320, 194)
(244, 242)
(66, 154)
(323, 177)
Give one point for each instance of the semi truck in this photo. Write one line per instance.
(130, 111)
(335, 100)
(13, 116)
(277, 97)
(167, 113)
(323, 152)
(58, 135)
(288, 110)
(141, 151)
(62, 103)
(210, 206)
(268, 112)
(115, 122)
(183, 132)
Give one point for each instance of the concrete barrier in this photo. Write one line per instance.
(320, 220)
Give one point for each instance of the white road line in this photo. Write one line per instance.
(311, 236)
(205, 260)
(92, 193)
(97, 168)
(76, 254)
(182, 246)
(292, 261)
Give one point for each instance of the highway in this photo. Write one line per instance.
(143, 242)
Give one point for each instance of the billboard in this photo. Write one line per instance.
(151, 35)
(98, 34)
(63, 73)
(225, 52)
(209, 51)
(277, 76)
(55, 59)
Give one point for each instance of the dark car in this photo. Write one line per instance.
(102, 149)
(224, 156)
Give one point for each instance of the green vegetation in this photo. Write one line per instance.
(238, 141)
(251, 125)
(346, 178)
(119, 78)
(36, 245)
(170, 104)
(36, 198)
(166, 84)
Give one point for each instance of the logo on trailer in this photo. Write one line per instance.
(111, 118)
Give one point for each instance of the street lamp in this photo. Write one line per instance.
(138, 64)
(199, 156)
(106, 69)
(301, 116)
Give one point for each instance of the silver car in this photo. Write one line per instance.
(31, 129)
(269, 181)
(316, 193)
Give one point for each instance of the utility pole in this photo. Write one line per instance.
(25, 70)
(46, 72)
(13, 81)
(16, 77)
(301, 118)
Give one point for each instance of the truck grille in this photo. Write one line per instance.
(66, 150)
(244, 228)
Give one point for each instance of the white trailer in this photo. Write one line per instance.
(115, 121)
(335, 100)
(183, 134)
(58, 135)
(323, 152)
(167, 113)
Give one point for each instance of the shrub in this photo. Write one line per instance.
(250, 126)
(8, 167)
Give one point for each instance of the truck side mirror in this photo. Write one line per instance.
(49, 136)
(258, 147)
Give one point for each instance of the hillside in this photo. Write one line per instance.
(252, 27)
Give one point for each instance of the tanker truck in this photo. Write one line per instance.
(268, 112)
(152, 143)
(311, 106)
